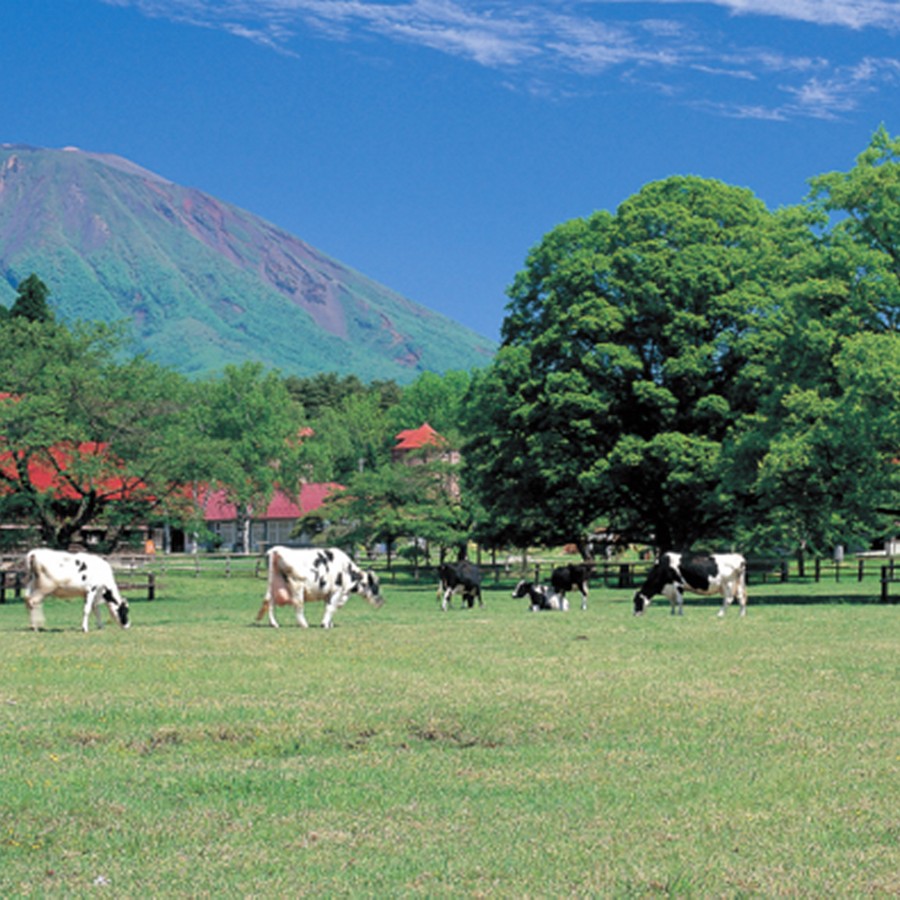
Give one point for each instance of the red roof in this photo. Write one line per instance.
(416, 438)
(47, 474)
(216, 507)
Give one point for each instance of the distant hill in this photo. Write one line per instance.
(204, 283)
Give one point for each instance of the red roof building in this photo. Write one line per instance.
(414, 443)
(274, 525)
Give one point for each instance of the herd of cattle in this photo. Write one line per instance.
(297, 575)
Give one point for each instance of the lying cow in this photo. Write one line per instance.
(538, 599)
(567, 578)
(298, 575)
(61, 574)
(459, 578)
(702, 573)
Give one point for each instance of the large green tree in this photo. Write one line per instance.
(86, 441)
(813, 466)
(629, 349)
(250, 428)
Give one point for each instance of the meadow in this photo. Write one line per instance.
(475, 753)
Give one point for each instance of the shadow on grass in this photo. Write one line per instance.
(760, 598)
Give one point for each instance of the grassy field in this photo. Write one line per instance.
(485, 753)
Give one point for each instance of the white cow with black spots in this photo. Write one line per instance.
(297, 575)
(701, 573)
(61, 574)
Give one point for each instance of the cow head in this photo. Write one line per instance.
(641, 602)
(371, 589)
(118, 607)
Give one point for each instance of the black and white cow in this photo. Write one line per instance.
(701, 573)
(460, 577)
(297, 575)
(566, 578)
(62, 574)
(538, 599)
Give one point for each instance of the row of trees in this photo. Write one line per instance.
(94, 438)
(692, 368)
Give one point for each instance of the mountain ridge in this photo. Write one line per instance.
(205, 283)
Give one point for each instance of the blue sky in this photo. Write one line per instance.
(430, 143)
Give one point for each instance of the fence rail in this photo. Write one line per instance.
(140, 572)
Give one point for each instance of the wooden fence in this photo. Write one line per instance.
(142, 573)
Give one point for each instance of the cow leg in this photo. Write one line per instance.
(332, 605)
(742, 596)
(727, 597)
(672, 594)
(584, 597)
(269, 603)
(445, 600)
(35, 604)
(90, 603)
(299, 597)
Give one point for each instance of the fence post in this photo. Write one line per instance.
(784, 571)
(2, 587)
(859, 574)
(151, 586)
(884, 584)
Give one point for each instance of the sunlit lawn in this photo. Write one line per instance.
(484, 752)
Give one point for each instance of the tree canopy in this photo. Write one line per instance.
(686, 370)
(86, 440)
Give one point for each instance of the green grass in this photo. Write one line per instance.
(486, 752)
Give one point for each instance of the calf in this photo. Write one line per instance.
(298, 575)
(459, 578)
(61, 574)
(567, 578)
(702, 573)
(537, 597)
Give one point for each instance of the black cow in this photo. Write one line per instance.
(459, 578)
(538, 598)
(702, 573)
(567, 578)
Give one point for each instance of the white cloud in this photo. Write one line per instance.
(847, 13)
(563, 42)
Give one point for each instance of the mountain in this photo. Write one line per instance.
(201, 282)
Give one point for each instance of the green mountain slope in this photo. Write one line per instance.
(203, 283)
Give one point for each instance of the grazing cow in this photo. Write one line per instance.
(298, 575)
(459, 578)
(538, 599)
(55, 572)
(702, 573)
(567, 578)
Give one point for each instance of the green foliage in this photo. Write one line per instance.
(435, 399)
(31, 301)
(251, 428)
(98, 428)
(620, 372)
(688, 369)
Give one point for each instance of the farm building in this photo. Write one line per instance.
(274, 525)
